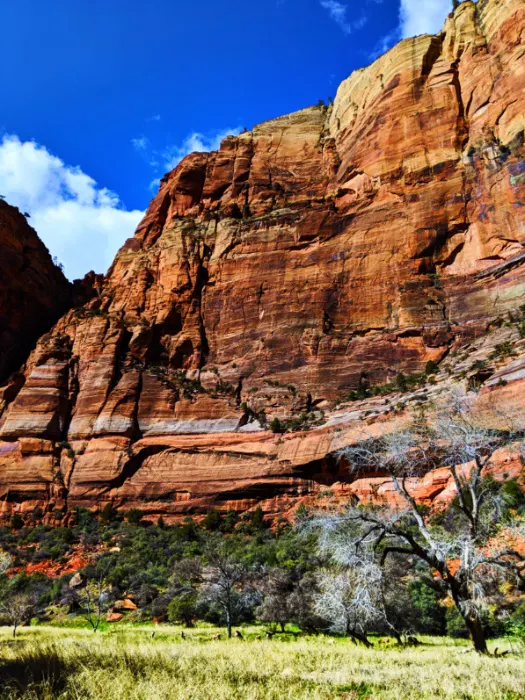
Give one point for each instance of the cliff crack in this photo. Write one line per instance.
(462, 122)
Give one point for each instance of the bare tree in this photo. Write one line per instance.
(224, 579)
(276, 585)
(17, 609)
(354, 599)
(92, 599)
(460, 441)
(18, 606)
(346, 605)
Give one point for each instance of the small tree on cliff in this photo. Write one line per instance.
(454, 551)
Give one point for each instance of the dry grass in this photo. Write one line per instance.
(125, 662)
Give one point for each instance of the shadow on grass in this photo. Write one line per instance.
(33, 670)
(45, 671)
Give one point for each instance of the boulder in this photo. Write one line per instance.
(124, 605)
(114, 616)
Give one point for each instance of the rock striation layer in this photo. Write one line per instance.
(322, 251)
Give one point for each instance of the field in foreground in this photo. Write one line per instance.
(125, 662)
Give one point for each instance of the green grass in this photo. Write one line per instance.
(125, 662)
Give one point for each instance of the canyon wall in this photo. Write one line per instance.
(322, 251)
(33, 291)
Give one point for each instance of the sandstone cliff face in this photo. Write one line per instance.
(321, 250)
(33, 291)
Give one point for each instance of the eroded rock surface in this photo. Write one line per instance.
(321, 251)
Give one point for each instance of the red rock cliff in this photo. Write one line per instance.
(33, 291)
(319, 250)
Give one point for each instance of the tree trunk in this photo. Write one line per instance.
(229, 624)
(14, 630)
(477, 635)
(283, 624)
(361, 637)
(473, 624)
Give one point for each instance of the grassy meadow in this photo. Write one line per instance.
(124, 662)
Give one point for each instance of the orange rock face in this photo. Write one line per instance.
(322, 250)
(33, 293)
(53, 569)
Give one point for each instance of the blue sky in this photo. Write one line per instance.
(100, 98)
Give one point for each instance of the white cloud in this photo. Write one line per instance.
(423, 16)
(81, 223)
(415, 17)
(196, 141)
(141, 143)
(338, 11)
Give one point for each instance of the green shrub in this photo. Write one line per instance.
(515, 623)
(253, 521)
(212, 520)
(134, 516)
(455, 626)
(222, 387)
(362, 392)
(276, 426)
(429, 612)
(431, 367)
(478, 365)
(109, 513)
(501, 350)
(17, 521)
(182, 609)
(513, 494)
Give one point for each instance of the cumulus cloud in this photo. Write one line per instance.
(81, 223)
(196, 141)
(415, 17)
(423, 16)
(337, 12)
